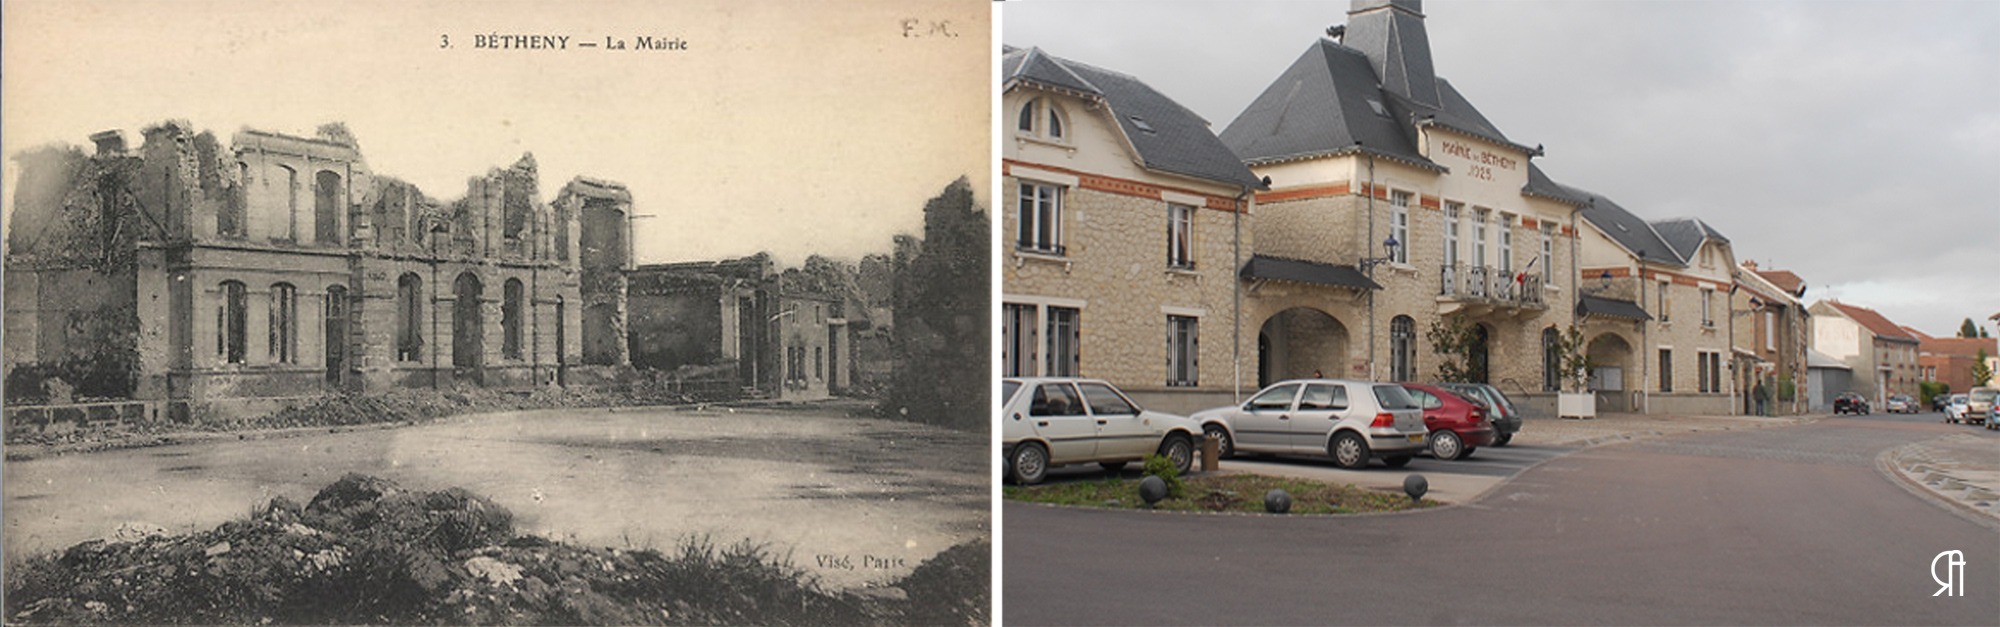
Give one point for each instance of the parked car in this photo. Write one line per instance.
(1979, 403)
(1939, 401)
(1900, 404)
(1849, 403)
(1499, 408)
(1458, 424)
(1955, 408)
(1350, 421)
(1049, 422)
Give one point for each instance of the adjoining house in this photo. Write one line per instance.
(280, 266)
(1882, 356)
(1950, 360)
(1127, 227)
(736, 322)
(1772, 332)
(1826, 378)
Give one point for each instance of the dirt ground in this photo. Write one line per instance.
(854, 501)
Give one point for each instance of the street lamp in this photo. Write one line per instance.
(1388, 254)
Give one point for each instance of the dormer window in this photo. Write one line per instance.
(1050, 117)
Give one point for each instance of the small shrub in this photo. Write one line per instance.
(1163, 468)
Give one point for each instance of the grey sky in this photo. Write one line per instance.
(1855, 143)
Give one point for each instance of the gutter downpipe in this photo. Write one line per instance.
(1236, 289)
(1364, 253)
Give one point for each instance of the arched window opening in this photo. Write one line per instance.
(284, 335)
(409, 318)
(231, 320)
(510, 319)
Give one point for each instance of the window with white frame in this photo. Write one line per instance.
(1451, 211)
(1062, 334)
(1707, 306)
(1020, 339)
(1183, 349)
(1026, 121)
(1180, 236)
(1666, 370)
(1548, 254)
(1399, 226)
(1507, 244)
(1403, 349)
(1701, 371)
(1478, 237)
(1040, 218)
(1770, 331)
(1666, 302)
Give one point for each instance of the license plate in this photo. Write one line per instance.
(1416, 437)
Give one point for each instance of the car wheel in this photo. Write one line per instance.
(1503, 439)
(1446, 445)
(1348, 450)
(1112, 466)
(1030, 463)
(1179, 450)
(1225, 447)
(1396, 461)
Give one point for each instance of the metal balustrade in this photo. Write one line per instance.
(1482, 283)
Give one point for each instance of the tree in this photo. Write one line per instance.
(1968, 329)
(943, 318)
(1570, 358)
(1454, 340)
(1982, 373)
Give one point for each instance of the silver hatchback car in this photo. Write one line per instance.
(1350, 421)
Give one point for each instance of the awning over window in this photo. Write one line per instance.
(1605, 307)
(1280, 269)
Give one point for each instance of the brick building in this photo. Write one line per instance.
(281, 266)
(1949, 360)
(1773, 330)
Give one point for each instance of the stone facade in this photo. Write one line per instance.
(281, 266)
(1882, 356)
(1773, 328)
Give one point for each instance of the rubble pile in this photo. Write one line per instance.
(365, 550)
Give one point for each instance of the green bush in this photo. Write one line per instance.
(1163, 468)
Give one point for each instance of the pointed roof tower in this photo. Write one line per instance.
(1391, 34)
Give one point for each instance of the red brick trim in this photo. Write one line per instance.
(1305, 193)
(1122, 186)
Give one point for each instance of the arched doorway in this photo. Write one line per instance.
(1611, 370)
(1296, 342)
(1479, 355)
(468, 329)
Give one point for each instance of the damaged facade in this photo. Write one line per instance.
(281, 266)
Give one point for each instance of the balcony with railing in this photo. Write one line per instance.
(1484, 289)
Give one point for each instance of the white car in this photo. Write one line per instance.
(1350, 421)
(1955, 408)
(1048, 422)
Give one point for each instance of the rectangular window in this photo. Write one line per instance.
(1180, 236)
(1063, 338)
(1018, 340)
(1399, 226)
(284, 319)
(1666, 370)
(1040, 219)
(1666, 315)
(1701, 371)
(1770, 331)
(1506, 244)
(1478, 237)
(1451, 211)
(1707, 303)
(1183, 347)
(231, 323)
(1548, 254)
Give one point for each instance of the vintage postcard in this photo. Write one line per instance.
(475, 312)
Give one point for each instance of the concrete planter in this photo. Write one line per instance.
(1576, 405)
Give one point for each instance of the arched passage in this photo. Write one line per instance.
(1296, 342)
(1611, 366)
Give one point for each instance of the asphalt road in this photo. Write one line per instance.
(1778, 526)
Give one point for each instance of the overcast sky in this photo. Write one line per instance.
(1855, 143)
(785, 126)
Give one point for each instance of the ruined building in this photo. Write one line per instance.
(280, 266)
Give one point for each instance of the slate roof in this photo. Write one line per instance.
(1635, 235)
(1169, 137)
(1686, 235)
(1329, 102)
(1874, 321)
(1593, 305)
(1299, 271)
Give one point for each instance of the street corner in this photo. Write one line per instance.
(1960, 472)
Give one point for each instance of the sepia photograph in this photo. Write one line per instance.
(497, 312)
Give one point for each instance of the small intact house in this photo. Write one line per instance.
(1881, 355)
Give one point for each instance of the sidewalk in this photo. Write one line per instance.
(1961, 471)
(1616, 427)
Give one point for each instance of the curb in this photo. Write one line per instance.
(1896, 465)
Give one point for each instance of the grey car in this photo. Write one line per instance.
(1499, 408)
(1349, 421)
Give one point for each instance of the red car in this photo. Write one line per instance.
(1458, 425)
